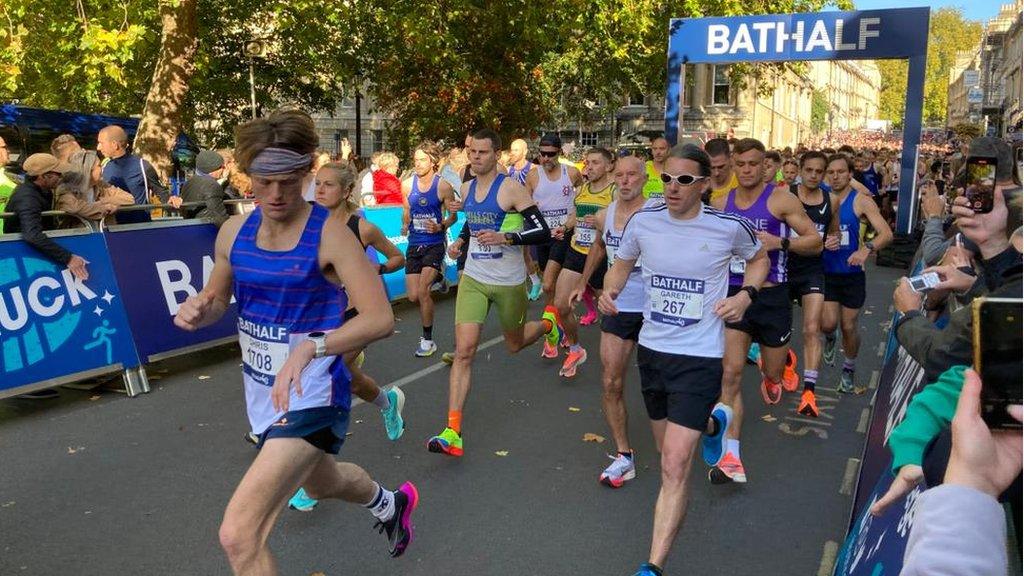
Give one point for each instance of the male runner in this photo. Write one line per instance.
(806, 274)
(500, 218)
(518, 168)
(845, 284)
(654, 188)
(681, 341)
(773, 212)
(772, 166)
(293, 337)
(424, 223)
(619, 332)
(595, 194)
(723, 178)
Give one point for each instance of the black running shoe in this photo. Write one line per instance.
(399, 528)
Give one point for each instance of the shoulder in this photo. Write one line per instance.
(729, 220)
(229, 230)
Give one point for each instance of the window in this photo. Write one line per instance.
(588, 139)
(637, 99)
(720, 88)
(378, 140)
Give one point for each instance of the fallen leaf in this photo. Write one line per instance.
(7, 504)
(868, 312)
(359, 421)
(88, 512)
(317, 574)
(204, 377)
(589, 437)
(573, 409)
(859, 390)
(74, 450)
(93, 398)
(501, 453)
(769, 418)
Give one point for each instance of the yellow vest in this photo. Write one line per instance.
(717, 193)
(588, 203)
(654, 186)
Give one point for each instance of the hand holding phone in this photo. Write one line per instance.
(924, 282)
(981, 183)
(998, 344)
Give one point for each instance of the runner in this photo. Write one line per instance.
(806, 274)
(292, 333)
(773, 212)
(723, 177)
(424, 223)
(500, 217)
(845, 284)
(654, 188)
(681, 341)
(772, 167)
(596, 194)
(790, 171)
(619, 332)
(518, 168)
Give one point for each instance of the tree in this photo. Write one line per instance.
(819, 111)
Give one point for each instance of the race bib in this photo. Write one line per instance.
(585, 235)
(844, 238)
(419, 223)
(478, 251)
(737, 265)
(555, 218)
(264, 350)
(676, 301)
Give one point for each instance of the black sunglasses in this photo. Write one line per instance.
(684, 179)
(548, 153)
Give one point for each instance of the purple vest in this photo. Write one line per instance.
(763, 221)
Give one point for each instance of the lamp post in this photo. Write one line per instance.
(253, 49)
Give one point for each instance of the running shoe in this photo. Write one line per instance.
(427, 348)
(448, 358)
(714, 447)
(302, 502)
(754, 354)
(589, 318)
(535, 291)
(361, 359)
(845, 383)
(548, 351)
(555, 333)
(620, 470)
(790, 379)
(730, 469)
(808, 404)
(770, 391)
(829, 353)
(394, 424)
(252, 438)
(648, 569)
(573, 361)
(447, 442)
(563, 341)
(399, 529)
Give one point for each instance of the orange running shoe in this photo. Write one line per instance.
(808, 404)
(729, 469)
(573, 361)
(770, 391)
(790, 379)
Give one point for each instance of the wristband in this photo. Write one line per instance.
(785, 244)
(751, 291)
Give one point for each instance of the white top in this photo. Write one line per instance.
(633, 296)
(554, 198)
(685, 267)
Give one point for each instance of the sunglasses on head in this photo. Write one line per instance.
(684, 179)
(549, 153)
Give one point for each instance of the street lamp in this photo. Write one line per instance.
(253, 49)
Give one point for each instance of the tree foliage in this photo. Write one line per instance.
(819, 111)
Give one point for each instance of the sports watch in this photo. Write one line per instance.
(870, 246)
(785, 244)
(319, 339)
(751, 291)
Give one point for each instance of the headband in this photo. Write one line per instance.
(272, 161)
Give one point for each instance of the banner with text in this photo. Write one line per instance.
(389, 220)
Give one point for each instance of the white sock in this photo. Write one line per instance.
(733, 446)
(382, 401)
(534, 279)
(382, 506)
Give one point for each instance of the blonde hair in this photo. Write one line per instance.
(347, 182)
(387, 159)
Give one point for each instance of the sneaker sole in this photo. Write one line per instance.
(400, 396)
(419, 354)
(439, 448)
(716, 476)
(409, 489)
(302, 508)
(571, 371)
(766, 398)
(617, 482)
(807, 411)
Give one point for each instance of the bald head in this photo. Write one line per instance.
(112, 141)
(517, 151)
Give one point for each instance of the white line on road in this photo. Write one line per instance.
(808, 421)
(874, 380)
(865, 416)
(828, 558)
(881, 348)
(849, 476)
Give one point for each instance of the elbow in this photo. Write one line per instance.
(385, 323)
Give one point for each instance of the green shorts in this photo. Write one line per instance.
(475, 298)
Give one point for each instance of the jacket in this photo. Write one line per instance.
(28, 203)
(206, 189)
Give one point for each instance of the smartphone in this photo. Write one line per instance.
(924, 282)
(981, 183)
(997, 357)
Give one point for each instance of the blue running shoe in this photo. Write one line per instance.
(535, 291)
(648, 569)
(394, 425)
(302, 502)
(713, 447)
(754, 354)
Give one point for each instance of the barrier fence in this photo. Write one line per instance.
(55, 329)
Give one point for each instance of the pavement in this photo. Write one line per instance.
(98, 483)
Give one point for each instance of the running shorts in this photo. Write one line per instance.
(475, 298)
(323, 427)
(683, 389)
(850, 290)
(801, 285)
(769, 319)
(575, 261)
(424, 256)
(625, 325)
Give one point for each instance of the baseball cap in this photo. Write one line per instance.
(995, 148)
(42, 163)
(551, 139)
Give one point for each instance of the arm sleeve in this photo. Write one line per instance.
(934, 242)
(928, 413)
(29, 211)
(535, 229)
(76, 206)
(917, 334)
(957, 531)
(464, 234)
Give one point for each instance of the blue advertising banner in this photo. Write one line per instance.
(157, 268)
(53, 325)
(389, 220)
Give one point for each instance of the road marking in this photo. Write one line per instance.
(849, 476)
(865, 417)
(881, 348)
(431, 369)
(874, 380)
(828, 558)
(807, 421)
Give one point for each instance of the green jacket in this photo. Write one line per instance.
(929, 412)
(6, 189)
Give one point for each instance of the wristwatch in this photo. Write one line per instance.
(870, 246)
(785, 244)
(751, 291)
(319, 339)
(510, 238)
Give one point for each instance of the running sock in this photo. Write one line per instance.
(588, 300)
(849, 364)
(733, 446)
(534, 279)
(382, 401)
(428, 332)
(575, 347)
(626, 454)
(455, 421)
(810, 379)
(382, 505)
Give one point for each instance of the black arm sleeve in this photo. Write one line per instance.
(535, 229)
(464, 235)
(29, 210)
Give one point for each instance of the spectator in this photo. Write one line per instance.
(64, 146)
(6, 184)
(43, 172)
(387, 188)
(366, 180)
(83, 192)
(131, 173)
(206, 187)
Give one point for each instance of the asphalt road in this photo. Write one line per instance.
(97, 483)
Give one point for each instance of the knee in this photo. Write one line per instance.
(424, 295)
(611, 386)
(413, 296)
(464, 353)
(237, 541)
(731, 377)
(810, 332)
(675, 466)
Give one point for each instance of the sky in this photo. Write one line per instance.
(980, 10)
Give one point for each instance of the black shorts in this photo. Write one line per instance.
(575, 261)
(850, 290)
(769, 320)
(625, 325)
(683, 389)
(424, 256)
(552, 251)
(323, 427)
(804, 283)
